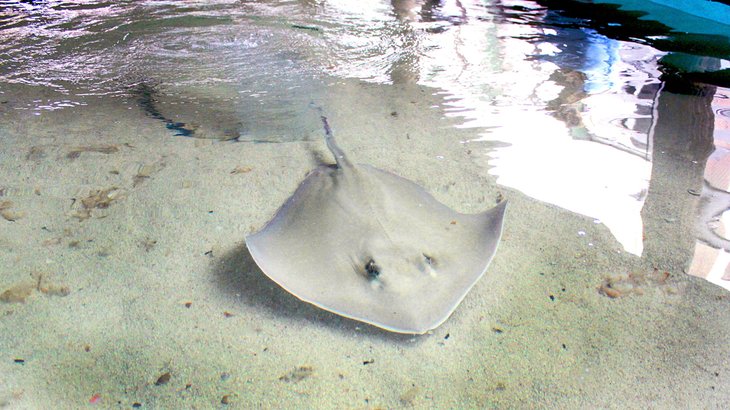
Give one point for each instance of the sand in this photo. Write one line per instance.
(127, 263)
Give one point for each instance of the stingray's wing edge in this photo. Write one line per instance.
(495, 222)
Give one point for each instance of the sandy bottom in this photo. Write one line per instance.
(126, 283)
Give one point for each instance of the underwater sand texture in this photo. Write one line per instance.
(152, 275)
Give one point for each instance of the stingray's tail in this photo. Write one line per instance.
(340, 156)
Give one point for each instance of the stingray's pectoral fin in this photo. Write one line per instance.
(494, 219)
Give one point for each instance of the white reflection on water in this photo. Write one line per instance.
(582, 176)
(590, 154)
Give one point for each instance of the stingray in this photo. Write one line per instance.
(375, 247)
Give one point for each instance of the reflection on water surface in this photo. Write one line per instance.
(569, 115)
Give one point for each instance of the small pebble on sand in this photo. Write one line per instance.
(163, 379)
(297, 374)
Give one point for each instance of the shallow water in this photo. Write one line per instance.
(142, 140)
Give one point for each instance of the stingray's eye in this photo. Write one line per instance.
(372, 269)
(428, 259)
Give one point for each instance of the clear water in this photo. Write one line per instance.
(600, 154)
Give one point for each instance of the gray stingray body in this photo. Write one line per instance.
(375, 247)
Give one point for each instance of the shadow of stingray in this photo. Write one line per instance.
(237, 274)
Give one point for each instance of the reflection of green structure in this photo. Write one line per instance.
(695, 33)
(702, 69)
(683, 139)
(705, 17)
(699, 37)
